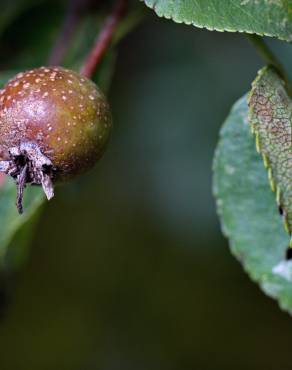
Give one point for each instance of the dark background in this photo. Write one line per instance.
(128, 268)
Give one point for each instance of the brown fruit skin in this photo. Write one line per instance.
(63, 112)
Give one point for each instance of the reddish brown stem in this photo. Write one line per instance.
(104, 39)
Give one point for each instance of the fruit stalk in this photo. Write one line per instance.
(104, 39)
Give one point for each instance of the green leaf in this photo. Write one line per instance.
(248, 210)
(11, 222)
(263, 17)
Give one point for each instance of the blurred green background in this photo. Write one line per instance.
(128, 269)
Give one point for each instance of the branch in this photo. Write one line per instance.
(104, 39)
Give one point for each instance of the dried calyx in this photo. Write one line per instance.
(54, 124)
(27, 165)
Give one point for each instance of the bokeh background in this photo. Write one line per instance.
(128, 269)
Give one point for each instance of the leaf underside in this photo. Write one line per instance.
(262, 17)
(270, 117)
(248, 210)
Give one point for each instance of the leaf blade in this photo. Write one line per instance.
(269, 18)
(248, 210)
(11, 222)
